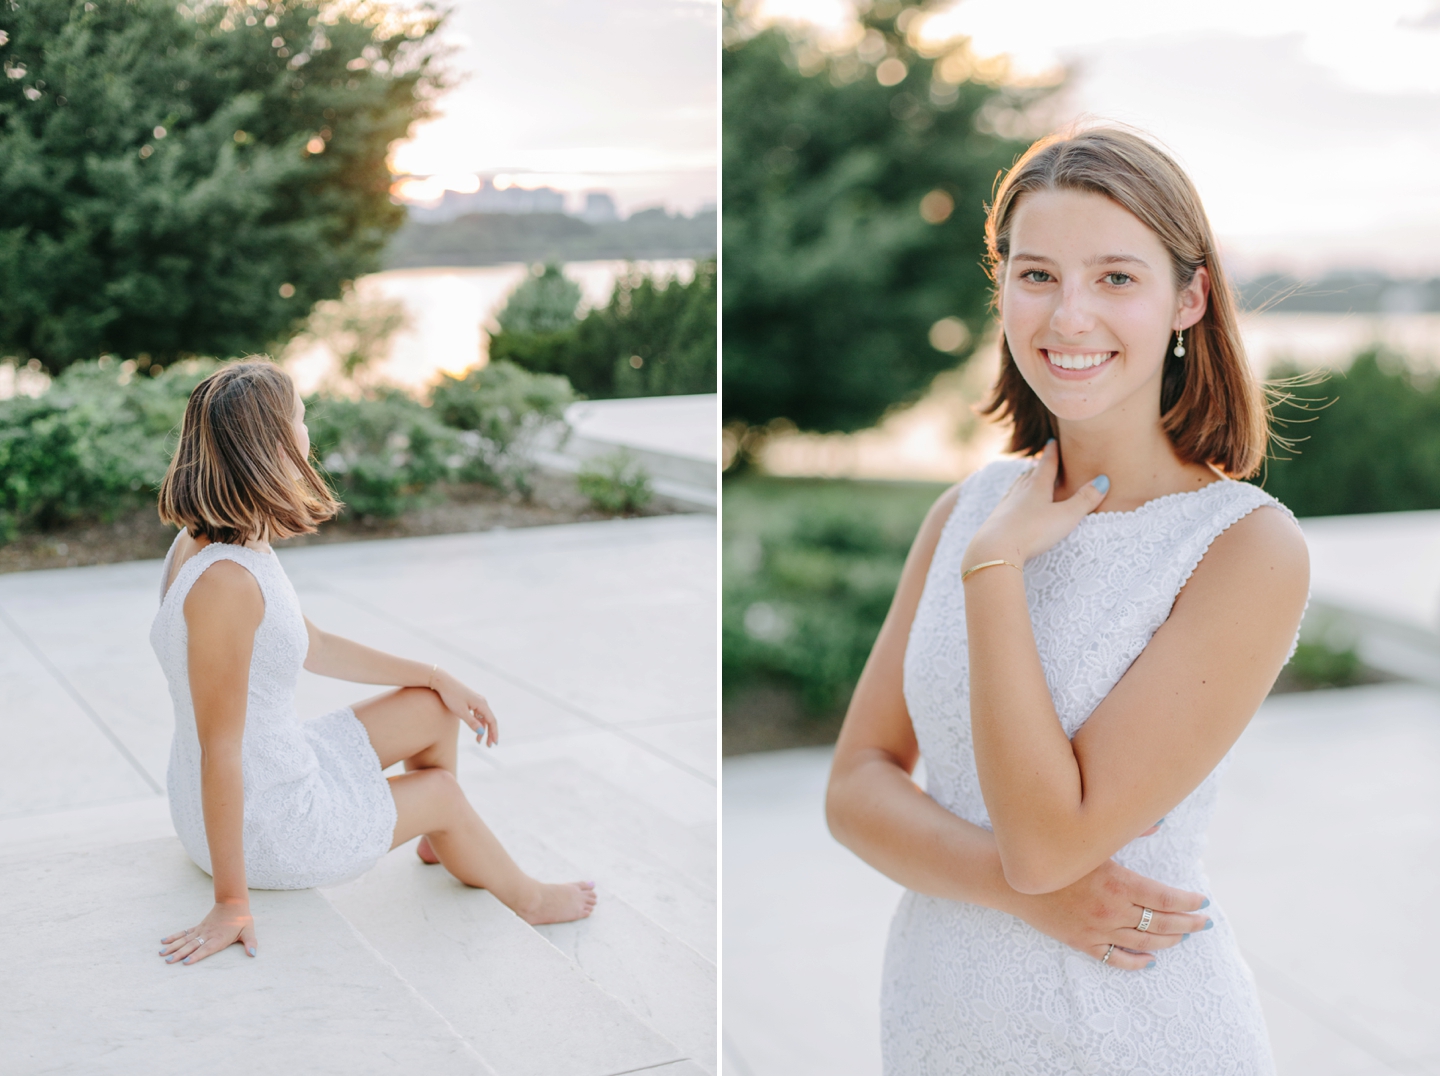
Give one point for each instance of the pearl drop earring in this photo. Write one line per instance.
(1179, 343)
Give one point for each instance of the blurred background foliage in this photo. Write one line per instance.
(854, 191)
(653, 338)
(180, 181)
(1365, 440)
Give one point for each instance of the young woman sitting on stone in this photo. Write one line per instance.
(260, 799)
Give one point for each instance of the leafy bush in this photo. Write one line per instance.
(1375, 448)
(810, 569)
(1318, 665)
(97, 443)
(383, 453)
(545, 302)
(615, 483)
(652, 339)
(506, 408)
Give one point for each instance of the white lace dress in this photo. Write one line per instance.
(318, 811)
(975, 991)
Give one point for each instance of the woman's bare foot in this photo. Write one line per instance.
(558, 903)
(425, 852)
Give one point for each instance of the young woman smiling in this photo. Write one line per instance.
(1079, 637)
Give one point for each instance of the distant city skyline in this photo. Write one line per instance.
(619, 97)
(1311, 127)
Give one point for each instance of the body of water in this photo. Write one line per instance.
(450, 312)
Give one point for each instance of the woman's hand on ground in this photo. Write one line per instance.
(1029, 520)
(227, 923)
(469, 706)
(1105, 907)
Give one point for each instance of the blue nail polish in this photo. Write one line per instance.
(1208, 924)
(1149, 965)
(1162, 821)
(1205, 903)
(1184, 936)
(1102, 483)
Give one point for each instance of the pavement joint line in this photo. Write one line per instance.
(1352, 1032)
(57, 812)
(647, 1068)
(556, 700)
(408, 985)
(69, 688)
(734, 1056)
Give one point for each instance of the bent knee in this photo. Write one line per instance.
(428, 701)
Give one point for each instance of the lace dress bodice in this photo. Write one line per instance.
(972, 990)
(317, 807)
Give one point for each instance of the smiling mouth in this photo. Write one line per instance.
(1079, 361)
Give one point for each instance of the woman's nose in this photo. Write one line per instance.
(1071, 315)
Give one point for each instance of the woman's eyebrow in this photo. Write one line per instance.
(1103, 259)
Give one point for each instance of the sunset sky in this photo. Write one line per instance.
(1311, 127)
(619, 95)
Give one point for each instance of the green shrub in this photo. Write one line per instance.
(1317, 665)
(810, 567)
(545, 302)
(502, 410)
(97, 443)
(651, 339)
(384, 452)
(615, 483)
(1374, 448)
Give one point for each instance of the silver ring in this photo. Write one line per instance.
(1106, 958)
(1145, 921)
(201, 941)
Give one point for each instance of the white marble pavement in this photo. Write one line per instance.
(595, 644)
(1325, 851)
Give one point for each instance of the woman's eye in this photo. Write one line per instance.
(1117, 279)
(1035, 276)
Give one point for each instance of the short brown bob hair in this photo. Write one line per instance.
(1211, 405)
(238, 473)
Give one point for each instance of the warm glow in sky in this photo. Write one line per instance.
(1311, 127)
(619, 95)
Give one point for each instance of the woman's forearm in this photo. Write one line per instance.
(222, 794)
(881, 815)
(344, 659)
(1027, 767)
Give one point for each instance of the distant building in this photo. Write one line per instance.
(491, 199)
(599, 207)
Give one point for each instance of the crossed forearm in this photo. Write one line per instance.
(1030, 777)
(881, 815)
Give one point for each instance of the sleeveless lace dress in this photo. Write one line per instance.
(318, 811)
(970, 990)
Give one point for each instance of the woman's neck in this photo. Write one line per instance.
(1138, 459)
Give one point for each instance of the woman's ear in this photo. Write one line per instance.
(1193, 300)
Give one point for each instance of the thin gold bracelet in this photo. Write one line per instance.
(988, 564)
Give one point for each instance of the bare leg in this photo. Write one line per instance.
(411, 724)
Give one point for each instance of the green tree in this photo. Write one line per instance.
(653, 338)
(545, 302)
(180, 180)
(854, 190)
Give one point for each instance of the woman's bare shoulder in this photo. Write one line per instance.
(1262, 556)
(226, 590)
